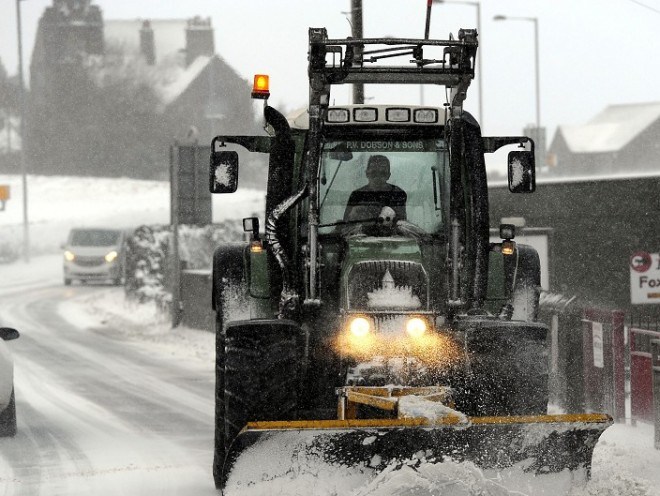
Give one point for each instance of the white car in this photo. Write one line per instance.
(7, 400)
(94, 254)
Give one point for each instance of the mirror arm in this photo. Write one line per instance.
(494, 143)
(259, 144)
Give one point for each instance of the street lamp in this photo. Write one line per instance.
(26, 231)
(479, 72)
(536, 57)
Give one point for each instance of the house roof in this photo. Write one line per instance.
(184, 77)
(169, 35)
(612, 129)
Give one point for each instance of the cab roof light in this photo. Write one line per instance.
(397, 115)
(365, 114)
(338, 115)
(425, 116)
(260, 87)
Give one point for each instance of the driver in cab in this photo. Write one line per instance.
(378, 198)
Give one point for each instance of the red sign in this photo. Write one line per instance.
(640, 261)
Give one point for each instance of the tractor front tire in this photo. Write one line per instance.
(261, 373)
(256, 379)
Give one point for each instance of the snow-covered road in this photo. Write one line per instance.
(99, 413)
(111, 401)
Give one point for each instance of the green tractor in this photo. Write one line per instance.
(376, 306)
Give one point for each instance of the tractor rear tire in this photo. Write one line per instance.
(527, 285)
(507, 370)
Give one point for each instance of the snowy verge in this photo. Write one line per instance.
(108, 312)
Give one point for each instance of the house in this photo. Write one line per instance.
(190, 78)
(174, 86)
(623, 138)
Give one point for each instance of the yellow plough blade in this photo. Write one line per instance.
(517, 452)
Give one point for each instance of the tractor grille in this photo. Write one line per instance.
(386, 285)
(89, 261)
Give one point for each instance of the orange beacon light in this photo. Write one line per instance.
(260, 87)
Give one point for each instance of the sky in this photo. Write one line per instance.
(592, 53)
(625, 462)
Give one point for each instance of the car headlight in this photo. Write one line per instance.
(110, 257)
(69, 256)
(416, 327)
(359, 326)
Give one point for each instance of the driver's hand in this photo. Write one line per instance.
(386, 216)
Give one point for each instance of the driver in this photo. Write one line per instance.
(367, 202)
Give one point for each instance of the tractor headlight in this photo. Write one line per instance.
(69, 256)
(416, 327)
(112, 256)
(359, 326)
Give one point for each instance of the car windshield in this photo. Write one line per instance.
(416, 166)
(94, 237)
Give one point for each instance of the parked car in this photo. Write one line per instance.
(7, 400)
(94, 254)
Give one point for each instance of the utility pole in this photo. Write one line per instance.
(356, 23)
(21, 84)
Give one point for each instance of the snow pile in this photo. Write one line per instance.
(413, 406)
(108, 312)
(433, 479)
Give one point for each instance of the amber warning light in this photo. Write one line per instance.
(260, 87)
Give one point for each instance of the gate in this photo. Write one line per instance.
(641, 373)
(603, 348)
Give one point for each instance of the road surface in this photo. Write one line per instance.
(97, 414)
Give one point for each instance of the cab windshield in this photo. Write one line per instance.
(416, 170)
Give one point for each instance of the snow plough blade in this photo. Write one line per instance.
(548, 454)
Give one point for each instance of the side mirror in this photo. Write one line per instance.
(522, 176)
(251, 224)
(224, 172)
(7, 333)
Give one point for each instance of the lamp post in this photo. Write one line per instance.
(26, 230)
(536, 57)
(479, 72)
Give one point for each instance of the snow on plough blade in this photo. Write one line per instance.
(547, 454)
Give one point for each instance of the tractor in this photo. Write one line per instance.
(375, 317)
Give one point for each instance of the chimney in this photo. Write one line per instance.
(199, 39)
(147, 46)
